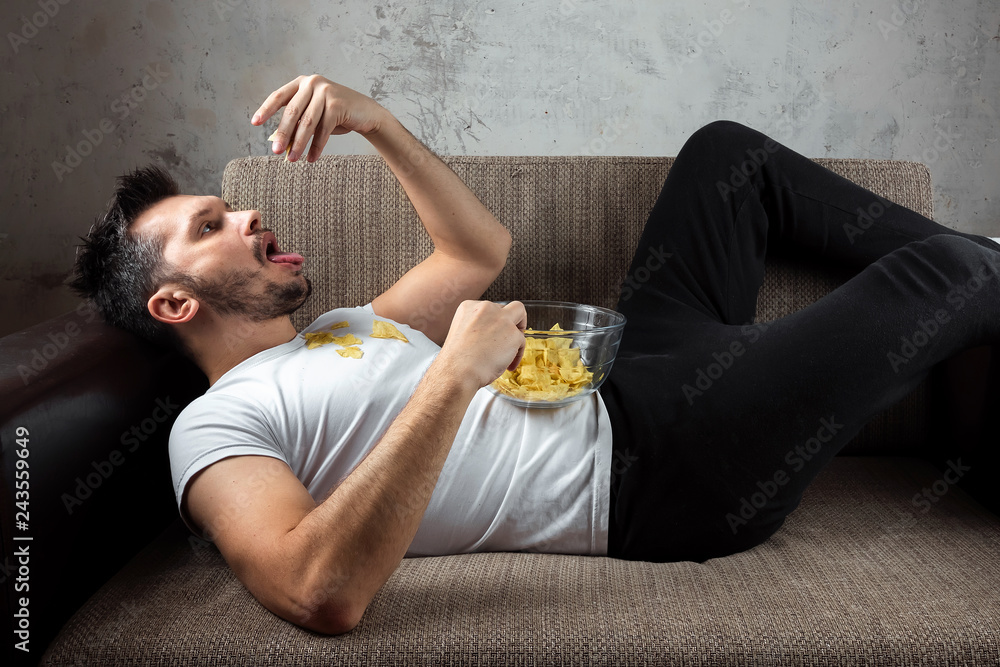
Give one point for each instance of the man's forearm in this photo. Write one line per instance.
(350, 544)
(455, 219)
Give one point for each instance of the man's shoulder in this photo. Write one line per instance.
(217, 408)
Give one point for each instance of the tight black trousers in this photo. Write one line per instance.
(721, 423)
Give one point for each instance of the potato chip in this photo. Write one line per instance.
(550, 370)
(338, 325)
(385, 330)
(349, 339)
(318, 338)
(555, 327)
(351, 351)
(287, 150)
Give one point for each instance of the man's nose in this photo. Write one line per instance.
(251, 222)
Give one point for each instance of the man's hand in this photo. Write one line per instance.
(484, 340)
(315, 108)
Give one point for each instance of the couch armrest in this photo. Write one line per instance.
(94, 406)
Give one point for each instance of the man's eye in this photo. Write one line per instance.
(207, 227)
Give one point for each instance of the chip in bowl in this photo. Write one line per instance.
(561, 366)
(549, 370)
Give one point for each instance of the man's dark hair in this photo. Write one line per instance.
(118, 270)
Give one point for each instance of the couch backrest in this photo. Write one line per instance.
(575, 223)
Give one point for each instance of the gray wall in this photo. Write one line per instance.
(123, 84)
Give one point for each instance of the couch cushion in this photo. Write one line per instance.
(575, 222)
(861, 573)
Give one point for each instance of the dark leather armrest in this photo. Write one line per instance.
(92, 407)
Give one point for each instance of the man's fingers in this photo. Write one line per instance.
(515, 309)
(306, 127)
(316, 147)
(481, 337)
(517, 358)
(275, 101)
(316, 108)
(518, 313)
(327, 125)
(294, 109)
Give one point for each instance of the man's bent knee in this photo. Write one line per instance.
(726, 135)
(734, 152)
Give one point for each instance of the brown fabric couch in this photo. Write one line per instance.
(862, 573)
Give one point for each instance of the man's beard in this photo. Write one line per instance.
(232, 294)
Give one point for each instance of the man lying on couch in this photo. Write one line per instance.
(315, 469)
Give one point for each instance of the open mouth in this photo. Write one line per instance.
(273, 254)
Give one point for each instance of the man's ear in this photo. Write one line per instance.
(172, 305)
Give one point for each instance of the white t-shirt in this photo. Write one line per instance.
(516, 479)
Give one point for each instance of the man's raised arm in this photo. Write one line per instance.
(470, 245)
(319, 565)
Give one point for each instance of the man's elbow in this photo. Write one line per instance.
(321, 610)
(508, 243)
(332, 622)
(503, 245)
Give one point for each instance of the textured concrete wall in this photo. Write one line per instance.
(92, 89)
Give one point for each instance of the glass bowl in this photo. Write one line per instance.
(575, 360)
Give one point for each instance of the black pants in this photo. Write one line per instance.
(719, 423)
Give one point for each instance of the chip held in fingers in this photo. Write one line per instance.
(274, 137)
(550, 370)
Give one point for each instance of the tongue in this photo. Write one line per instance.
(286, 258)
